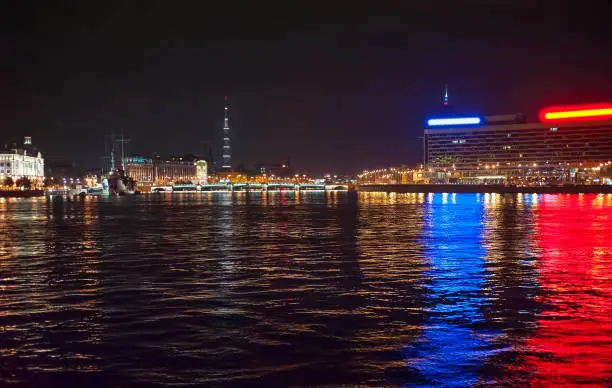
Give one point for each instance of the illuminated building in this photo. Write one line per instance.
(201, 171)
(227, 150)
(140, 169)
(175, 169)
(22, 162)
(148, 171)
(567, 143)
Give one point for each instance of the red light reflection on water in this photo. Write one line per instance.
(573, 341)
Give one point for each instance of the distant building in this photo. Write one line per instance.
(23, 161)
(565, 144)
(140, 169)
(161, 171)
(174, 169)
(201, 171)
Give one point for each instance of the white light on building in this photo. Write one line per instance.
(201, 171)
(17, 163)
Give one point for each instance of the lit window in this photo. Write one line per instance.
(554, 129)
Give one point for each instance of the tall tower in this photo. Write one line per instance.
(227, 149)
(445, 100)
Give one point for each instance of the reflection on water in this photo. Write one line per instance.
(455, 342)
(306, 289)
(574, 331)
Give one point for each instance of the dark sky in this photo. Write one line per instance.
(336, 86)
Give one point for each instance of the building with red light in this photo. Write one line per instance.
(566, 144)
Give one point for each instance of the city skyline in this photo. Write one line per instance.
(347, 95)
(269, 194)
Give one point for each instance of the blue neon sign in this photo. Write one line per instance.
(452, 121)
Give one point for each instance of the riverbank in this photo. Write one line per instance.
(21, 194)
(448, 188)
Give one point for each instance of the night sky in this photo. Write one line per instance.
(335, 86)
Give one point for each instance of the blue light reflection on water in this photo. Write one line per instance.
(453, 346)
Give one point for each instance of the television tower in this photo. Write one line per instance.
(227, 149)
(445, 100)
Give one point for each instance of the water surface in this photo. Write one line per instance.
(215, 289)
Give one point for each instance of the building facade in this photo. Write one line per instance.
(140, 169)
(22, 162)
(158, 171)
(173, 171)
(508, 147)
(201, 171)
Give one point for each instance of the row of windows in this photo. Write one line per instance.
(524, 131)
(518, 152)
(601, 156)
(468, 145)
(582, 140)
(538, 132)
(530, 141)
(469, 149)
(522, 139)
(19, 157)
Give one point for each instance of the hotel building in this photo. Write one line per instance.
(140, 169)
(158, 171)
(561, 146)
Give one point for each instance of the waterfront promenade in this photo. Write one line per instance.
(21, 193)
(459, 188)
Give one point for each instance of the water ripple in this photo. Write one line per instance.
(305, 289)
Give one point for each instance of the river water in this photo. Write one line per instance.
(373, 289)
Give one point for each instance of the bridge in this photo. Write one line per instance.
(252, 186)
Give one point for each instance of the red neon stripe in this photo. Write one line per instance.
(601, 111)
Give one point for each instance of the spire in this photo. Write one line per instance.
(445, 100)
(226, 153)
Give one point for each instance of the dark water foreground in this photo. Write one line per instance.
(372, 289)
